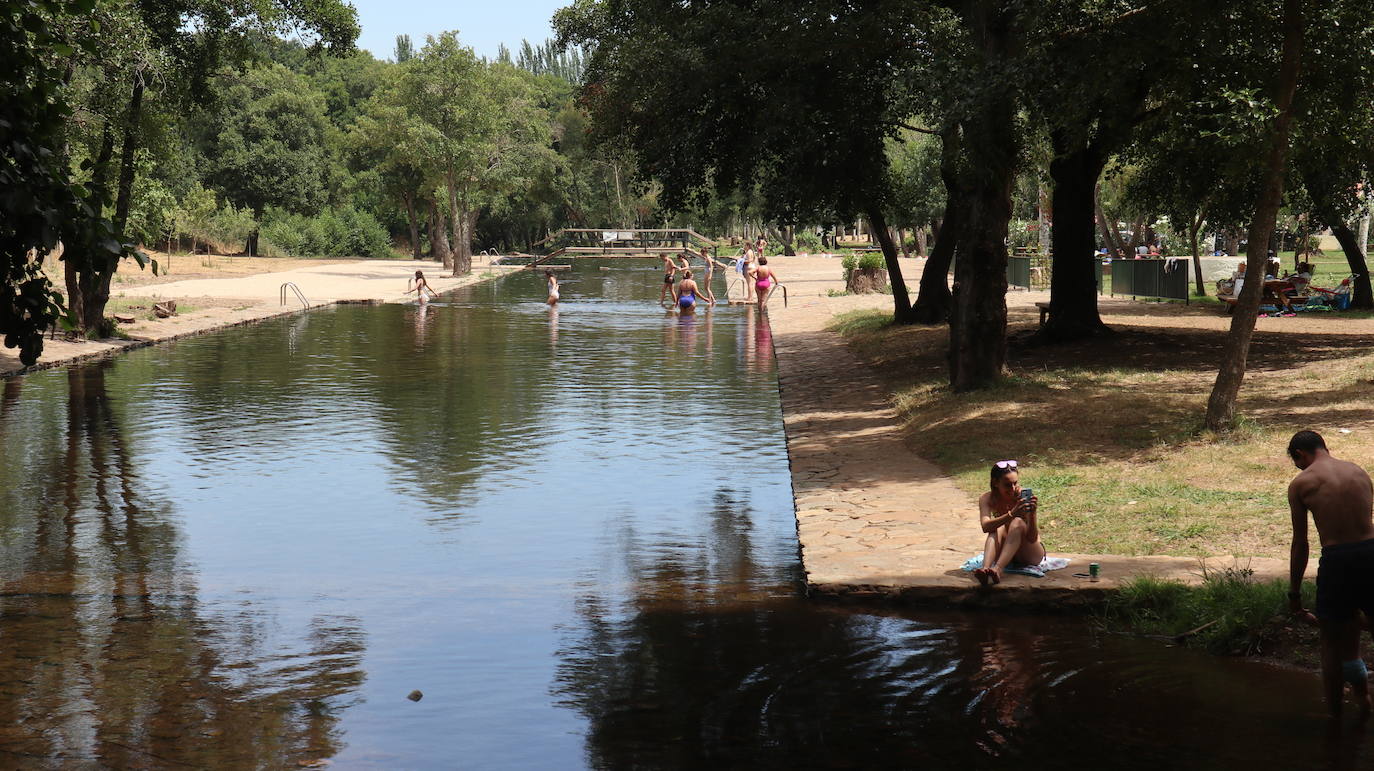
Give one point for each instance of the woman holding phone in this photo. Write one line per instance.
(1007, 514)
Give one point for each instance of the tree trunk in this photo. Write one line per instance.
(414, 226)
(901, 301)
(1137, 236)
(1221, 405)
(126, 161)
(77, 266)
(922, 245)
(978, 321)
(1111, 239)
(1361, 296)
(1232, 242)
(1045, 210)
(933, 301)
(464, 223)
(438, 235)
(1073, 280)
(1193, 228)
(1364, 227)
(95, 280)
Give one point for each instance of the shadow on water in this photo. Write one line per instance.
(107, 658)
(571, 527)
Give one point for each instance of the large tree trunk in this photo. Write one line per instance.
(1362, 297)
(77, 266)
(901, 301)
(438, 235)
(464, 223)
(415, 252)
(1073, 280)
(95, 279)
(1221, 405)
(1232, 242)
(978, 321)
(934, 299)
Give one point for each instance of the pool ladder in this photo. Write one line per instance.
(299, 295)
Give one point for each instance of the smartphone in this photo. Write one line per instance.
(1026, 493)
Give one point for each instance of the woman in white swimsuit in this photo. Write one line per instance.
(421, 286)
(553, 287)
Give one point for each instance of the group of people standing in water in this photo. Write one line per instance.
(680, 282)
(678, 279)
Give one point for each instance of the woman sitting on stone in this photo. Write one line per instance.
(1009, 519)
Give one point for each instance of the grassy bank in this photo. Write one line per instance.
(1229, 613)
(1109, 431)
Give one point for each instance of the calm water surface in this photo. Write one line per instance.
(571, 529)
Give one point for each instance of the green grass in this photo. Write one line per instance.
(1117, 453)
(1242, 616)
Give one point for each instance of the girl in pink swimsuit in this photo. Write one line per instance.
(764, 279)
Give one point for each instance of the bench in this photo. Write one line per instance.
(1044, 311)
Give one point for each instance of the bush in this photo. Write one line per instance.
(872, 261)
(869, 261)
(345, 232)
(808, 242)
(227, 229)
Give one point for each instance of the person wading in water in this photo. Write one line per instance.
(1340, 496)
(669, 272)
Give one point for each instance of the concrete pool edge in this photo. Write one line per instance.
(877, 523)
(61, 353)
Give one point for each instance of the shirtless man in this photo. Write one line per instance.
(1340, 497)
(669, 274)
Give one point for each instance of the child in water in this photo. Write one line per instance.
(553, 287)
(421, 286)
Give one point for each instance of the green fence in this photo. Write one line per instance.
(1150, 277)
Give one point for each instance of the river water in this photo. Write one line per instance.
(570, 529)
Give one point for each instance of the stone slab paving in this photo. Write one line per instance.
(874, 520)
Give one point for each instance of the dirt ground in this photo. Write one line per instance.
(181, 267)
(227, 291)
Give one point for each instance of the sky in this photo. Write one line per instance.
(482, 24)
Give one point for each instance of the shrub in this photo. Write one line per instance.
(808, 242)
(345, 232)
(872, 261)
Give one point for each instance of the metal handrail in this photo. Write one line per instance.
(299, 295)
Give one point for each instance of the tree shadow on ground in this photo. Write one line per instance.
(1116, 398)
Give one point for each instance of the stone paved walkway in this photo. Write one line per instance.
(874, 520)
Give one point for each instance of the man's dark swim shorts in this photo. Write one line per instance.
(1345, 581)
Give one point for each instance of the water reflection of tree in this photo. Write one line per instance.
(708, 661)
(108, 659)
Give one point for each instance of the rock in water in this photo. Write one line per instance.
(415, 695)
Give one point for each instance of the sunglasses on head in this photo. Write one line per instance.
(1007, 464)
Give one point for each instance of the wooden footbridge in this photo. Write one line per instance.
(589, 242)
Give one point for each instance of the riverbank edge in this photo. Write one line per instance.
(192, 325)
(877, 524)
